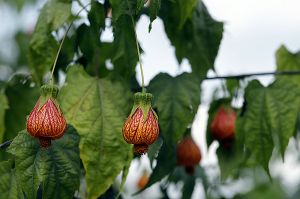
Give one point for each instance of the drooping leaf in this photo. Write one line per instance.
(177, 100)
(8, 181)
(185, 10)
(154, 150)
(188, 188)
(56, 169)
(269, 119)
(97, 109)
(125, 7)
(286, 60)
(125, 55)
(153, 10)
(199, 38)
(3, 108)
(43, 46)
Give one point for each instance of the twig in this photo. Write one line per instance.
(5, 144)
(241, 76)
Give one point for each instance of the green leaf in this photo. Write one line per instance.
(43, 46)
(97, 109)
(4, 106)
(269, 119)
(125, 7)
(56, 169)
(154, 150)
(177, 100)
(286, 60)
(185, 10)
(188, 188)
(21, 97)
(8, 181)
(96, 17)
(199, 38)
(153, 11)
(125, 55)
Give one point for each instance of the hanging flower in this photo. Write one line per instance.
(141, 127)
(46, 121)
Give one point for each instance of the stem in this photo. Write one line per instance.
(137, 48)
(63, 39)
(241, 76)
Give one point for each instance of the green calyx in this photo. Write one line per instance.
(48, 91)
(143, 101)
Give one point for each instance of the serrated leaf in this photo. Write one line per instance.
(43, 46)
(97, 108)
(3, 108)
(269, 119)
(177, 100)
(199, 38)
(56, 169)
(8, 181)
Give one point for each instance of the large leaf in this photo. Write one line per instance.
(199, 38)
(286, 60)
(125, 7)
(3, 107)
(56, 169)
(97, 108)
(43, 46)
(153, 10)
(177, 100)
(185, 10)
(8, 181)
(269, 119)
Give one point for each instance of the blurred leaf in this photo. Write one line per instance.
(153, 10)
(185, 10)
(269, 119)
(125, 55)
(43, 46)
(8, 181)
(4, 106)
(22, 40)
(56, 169)
(232, 86)
(177, 100)
(97, 108)
(154, 150)
(96, 17)
(21, 98)
(19, 4)
(199, 38)
(286, 60)
(188, 188)
(125, 7)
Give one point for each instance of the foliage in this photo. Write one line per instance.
(96, 98)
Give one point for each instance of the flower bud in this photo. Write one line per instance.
(46, 121)
(141, 127)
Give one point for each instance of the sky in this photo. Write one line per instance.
(253, 31)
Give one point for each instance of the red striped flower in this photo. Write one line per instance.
(46, 121)
(141, 127)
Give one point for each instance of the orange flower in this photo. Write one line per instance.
(46, 121)
(141, 127)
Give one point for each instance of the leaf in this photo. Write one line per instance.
(96, 17)
(286, 60)
(199, 38)
(125, 7)
(8, 181)
(188, 187)
(125, 55)
(269, 119)
(97, 109)
(43, 46)
(153, 10)
(21, 97)
(185, 10)
(177, 100)
(4, 106)
(56, 169)
(154, 150)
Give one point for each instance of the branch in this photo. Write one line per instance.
(5, 144)
(241, 76)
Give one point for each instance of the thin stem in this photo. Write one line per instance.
(65, 35)
(138, 49)
(241, 76)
